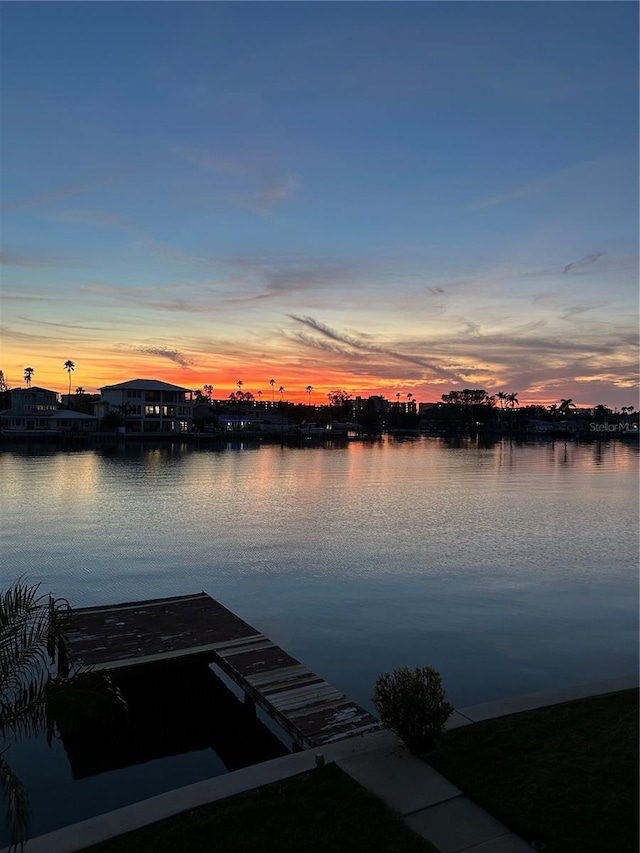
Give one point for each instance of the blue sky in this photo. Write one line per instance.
(383, 197)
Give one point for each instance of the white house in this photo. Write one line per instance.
(36, 410)
(148, 405)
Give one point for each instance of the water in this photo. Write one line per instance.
(510, 568)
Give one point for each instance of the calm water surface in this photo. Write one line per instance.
(510, 568)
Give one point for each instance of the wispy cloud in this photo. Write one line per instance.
(168, 353)
(256, 186)
(586, 261)
(364, 345)
(571, 179)
(52, 195)
(263, 200)
(98, 217)
(31, 261)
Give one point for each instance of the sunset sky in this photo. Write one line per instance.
(381, 197)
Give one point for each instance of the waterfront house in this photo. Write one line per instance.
(148, 405)
(36, 410)
(249, 419)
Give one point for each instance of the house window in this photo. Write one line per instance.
(151, 410)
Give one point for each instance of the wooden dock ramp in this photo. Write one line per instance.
(140, 633)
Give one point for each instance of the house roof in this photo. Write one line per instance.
(69, 415)
(32, 388)
(56, 414)
(144, 385)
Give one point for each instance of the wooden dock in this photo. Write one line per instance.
(140, 633)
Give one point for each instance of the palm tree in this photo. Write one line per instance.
(28, 373)
(272, 382)
(281, 391)
(502, 396)
(79, 391)
(565, 405)
(208, 390)
(69, 366)
(33, 699)
(309, 389)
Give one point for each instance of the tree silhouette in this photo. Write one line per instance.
(309, 389)
(566, 405)
(69, 366)
(28, 373)
(79, 390)
(208, 390)
(272, 382)
(281, 391)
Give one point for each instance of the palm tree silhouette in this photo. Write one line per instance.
(69, 366)
(565, 405)
(281, 390)
(79, 390)
(28, 373)
(309, 389)
(272, 382)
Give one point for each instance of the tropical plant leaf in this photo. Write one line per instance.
(34, 698)
(13, 792)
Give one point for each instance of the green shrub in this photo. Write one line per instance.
(412, 704)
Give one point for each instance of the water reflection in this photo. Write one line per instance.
(511, 567)
(172, 710)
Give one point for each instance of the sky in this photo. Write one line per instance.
(375, 196)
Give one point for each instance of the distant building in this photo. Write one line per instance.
(246, 419)
(148, 405)
(33, 400)
(36, 410)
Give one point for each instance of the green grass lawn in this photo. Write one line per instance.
(565, 775)
(324, 810)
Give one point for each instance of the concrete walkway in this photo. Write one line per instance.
(427, 802)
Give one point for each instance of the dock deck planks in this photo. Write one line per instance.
(115, 637)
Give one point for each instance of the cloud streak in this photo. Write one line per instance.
(367, 347)
(256, 187)
(51, 196)
(168, 353)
